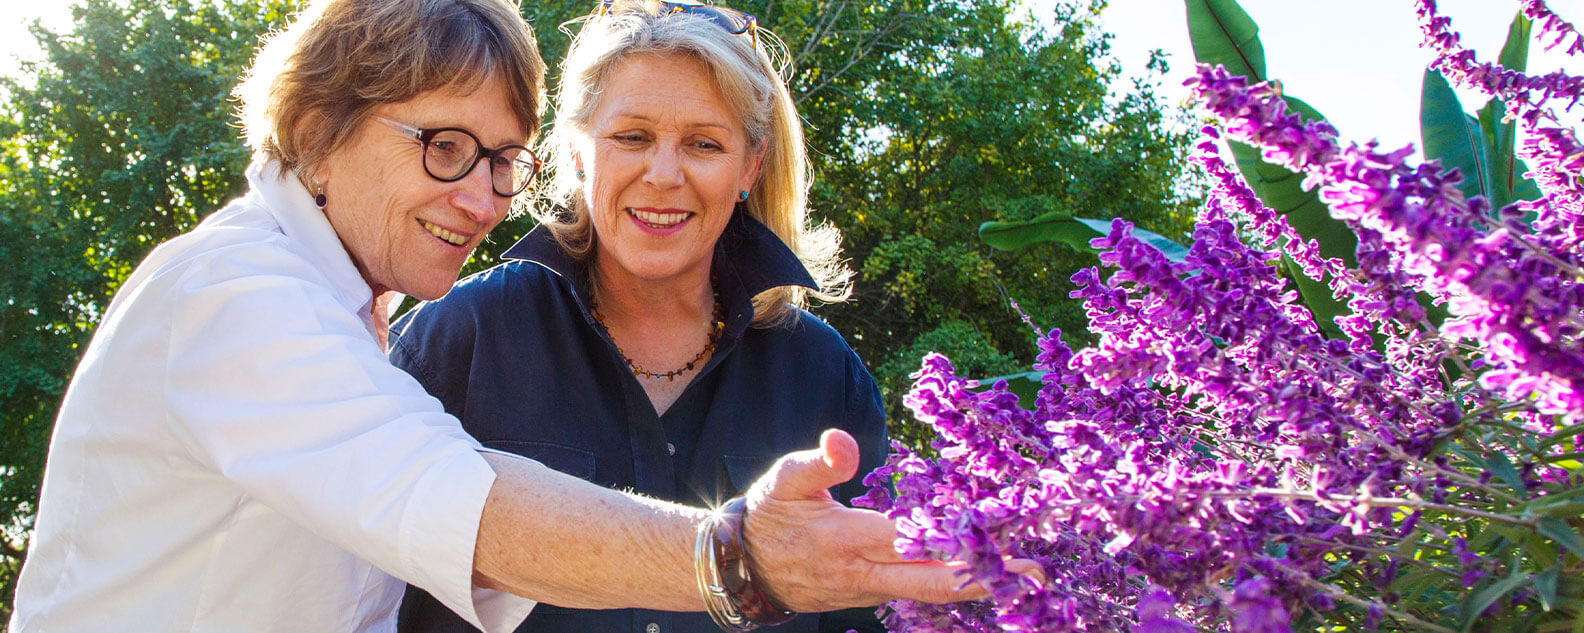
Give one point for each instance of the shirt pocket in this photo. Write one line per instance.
(559, 457)
(743, 471)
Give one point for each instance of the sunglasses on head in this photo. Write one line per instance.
(734, 21)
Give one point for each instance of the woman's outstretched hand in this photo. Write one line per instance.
(812, 553)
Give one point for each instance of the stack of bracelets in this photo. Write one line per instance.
(731, 596)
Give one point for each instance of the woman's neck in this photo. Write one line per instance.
(626, 298)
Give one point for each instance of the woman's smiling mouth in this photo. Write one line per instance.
(449, 237)
(659, 219)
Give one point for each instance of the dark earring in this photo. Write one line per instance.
(319, 198)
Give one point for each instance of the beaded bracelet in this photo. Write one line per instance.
(732, 598)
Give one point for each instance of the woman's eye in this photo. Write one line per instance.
(629, 138)
(708, 145)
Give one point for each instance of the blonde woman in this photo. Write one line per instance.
(657, 310)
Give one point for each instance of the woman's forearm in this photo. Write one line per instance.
(564, 541)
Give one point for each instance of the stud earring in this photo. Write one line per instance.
(319, 198)
(742, 195)
(579, 174)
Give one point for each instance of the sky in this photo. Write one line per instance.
(1357, 61)
(15, 15)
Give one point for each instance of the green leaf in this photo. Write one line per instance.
(1562, 510)
(1453, 136)
(1282, 191)
(1562, 435)
(1499, 465)
(1222, 33)
(1413, 584)
(1489, 595)
(1563, 534)
(1552, 459)
(1508, 183)
(1026, 385)
(1317, 297)
(1557, 497)
(1065, 229)
(1545, 584)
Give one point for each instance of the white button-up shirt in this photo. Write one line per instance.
(236, 454)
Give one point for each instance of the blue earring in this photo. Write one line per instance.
(579, 174)
(742, 195)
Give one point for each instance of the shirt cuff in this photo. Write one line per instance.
(441, 533)
(500, 611)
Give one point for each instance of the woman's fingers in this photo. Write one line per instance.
(814, 554)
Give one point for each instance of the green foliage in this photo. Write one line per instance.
(122, 140)
(973, 116)
(969, 349)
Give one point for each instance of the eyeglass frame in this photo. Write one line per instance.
(708, 11)
(425, 135)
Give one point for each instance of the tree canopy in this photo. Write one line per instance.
(924, 119)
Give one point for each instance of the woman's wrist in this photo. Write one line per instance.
(733, 598)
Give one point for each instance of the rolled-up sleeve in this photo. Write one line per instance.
(278, 387)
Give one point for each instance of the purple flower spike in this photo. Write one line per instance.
(1213, 461)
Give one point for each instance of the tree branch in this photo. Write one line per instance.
(858, 54)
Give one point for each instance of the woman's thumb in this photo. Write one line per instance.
(810, 473)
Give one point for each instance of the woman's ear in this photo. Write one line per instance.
(751, 173)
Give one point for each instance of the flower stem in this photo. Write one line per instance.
(1417, 504)
(1344, 596)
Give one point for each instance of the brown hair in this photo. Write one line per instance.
(315, 82)
(751, 81)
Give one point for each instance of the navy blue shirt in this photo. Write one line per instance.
(514, 353)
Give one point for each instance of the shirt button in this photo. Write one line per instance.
(651, 628)
(670, 450)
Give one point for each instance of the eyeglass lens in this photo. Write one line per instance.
(451, 155)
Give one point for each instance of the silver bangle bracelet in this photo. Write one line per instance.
(711, 587)
(732, 595)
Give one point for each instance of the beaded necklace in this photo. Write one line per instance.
(718, 326)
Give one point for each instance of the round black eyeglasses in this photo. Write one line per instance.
(450, 153)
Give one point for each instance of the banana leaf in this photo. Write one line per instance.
(1065, 229)
(1508, 185)
(1223, 33)
(1454, 137)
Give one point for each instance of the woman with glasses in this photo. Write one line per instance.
(656, 309)
(236, 453)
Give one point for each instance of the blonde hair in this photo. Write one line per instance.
(315, 82)
(753, 86)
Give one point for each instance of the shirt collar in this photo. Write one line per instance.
(292, 207)
(747, 250)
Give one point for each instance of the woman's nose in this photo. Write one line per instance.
(664, 170)
(475, 195)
